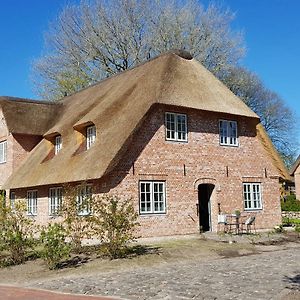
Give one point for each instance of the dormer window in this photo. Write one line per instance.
(90, 136)
(3, 151)
(57, 144)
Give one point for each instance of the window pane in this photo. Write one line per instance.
(3, 151)
(90, 136)
(228, 132)
(170, 126)
(252, 195)
(55, 195)
(176, 127)
(12, 199)
(181, 127)
(58, 144)
(83, 200)
(32, 202)
(152, 197)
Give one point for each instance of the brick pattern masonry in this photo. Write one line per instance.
(184, 166)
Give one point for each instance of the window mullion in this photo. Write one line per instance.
(151, 197)
(176, 126)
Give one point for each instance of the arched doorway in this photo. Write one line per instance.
(204, 206)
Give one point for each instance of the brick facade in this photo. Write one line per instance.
(184, 166)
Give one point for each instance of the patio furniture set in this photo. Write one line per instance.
(237, 224)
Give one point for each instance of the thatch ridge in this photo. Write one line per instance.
(27, 116)
(273, 153)
(295, 166)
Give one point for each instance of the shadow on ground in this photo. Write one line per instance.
(89, 253)
(294, 282)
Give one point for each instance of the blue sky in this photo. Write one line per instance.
(271, 29)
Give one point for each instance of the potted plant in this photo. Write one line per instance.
(237, 213)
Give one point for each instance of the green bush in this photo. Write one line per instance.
(288, 221)
(55, 248)
(77, 226)
(114, 223)
(290, 204)
(16, 233)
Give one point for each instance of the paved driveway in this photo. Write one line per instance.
(269, 275)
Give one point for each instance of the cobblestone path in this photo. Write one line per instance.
(269, 275)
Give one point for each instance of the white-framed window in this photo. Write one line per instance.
(55, 200)
(252, 196)
(58, 144)
(90, 136)
(84, 195)
(228, 133)
(32, 203)
(3, 152)
(152, 197)
(176, 127)
(12, 200)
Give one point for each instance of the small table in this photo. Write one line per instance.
(233, 220)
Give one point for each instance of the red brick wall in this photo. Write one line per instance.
(22, 145)
(148, 156)
(5, 168)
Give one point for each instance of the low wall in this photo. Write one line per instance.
(291, 214)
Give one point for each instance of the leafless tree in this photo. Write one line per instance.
(277, 118)
(99, 38)
(96, 39)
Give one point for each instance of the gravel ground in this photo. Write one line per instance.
(188, 268)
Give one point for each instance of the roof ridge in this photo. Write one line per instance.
(295, 165)
(180, 53)
(26, 100)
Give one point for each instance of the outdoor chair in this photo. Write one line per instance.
(248, 225)
(222, 221)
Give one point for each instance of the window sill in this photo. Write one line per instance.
(152, 214)
(53, 216)
(177, 141)
(31, 215)
(228, 145)
(252, 209)
(84, 214)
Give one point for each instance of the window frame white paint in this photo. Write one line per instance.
(91, 134)
(3, 152)
(12, 200)
(32, 203)
(55, 200)
(152, 210)
(82, 191)
(176, 130)
(250, 196)
(225, 138)
(57, 144)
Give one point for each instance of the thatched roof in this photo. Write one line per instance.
(274, 155)
(116, 106)
(27, 116)
(295, 166)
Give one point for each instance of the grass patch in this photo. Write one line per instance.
(289, 221)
